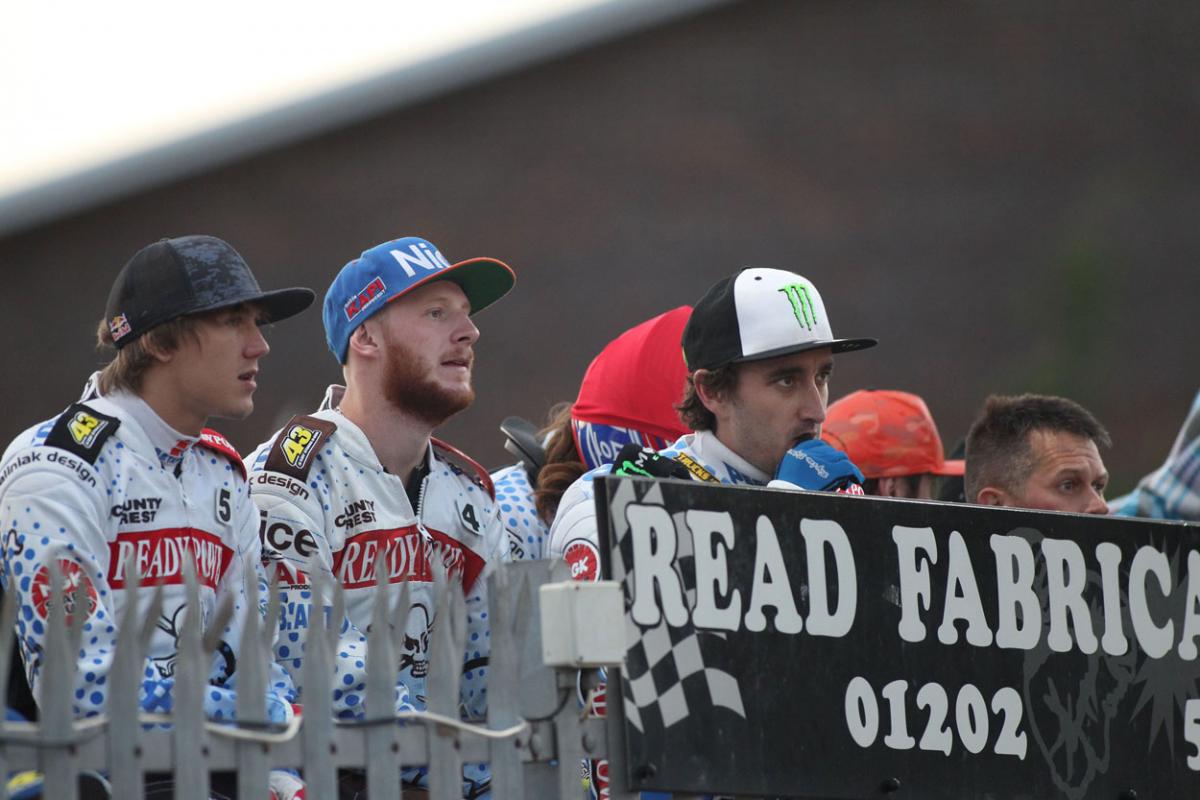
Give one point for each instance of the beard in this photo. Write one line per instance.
(408, 386)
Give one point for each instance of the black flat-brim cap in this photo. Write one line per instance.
(189, 275)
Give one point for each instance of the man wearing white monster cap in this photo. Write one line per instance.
(759, 351)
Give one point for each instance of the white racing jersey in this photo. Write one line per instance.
(574, 537)
(328, 506)
(107, 485)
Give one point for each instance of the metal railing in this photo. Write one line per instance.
(534, 737)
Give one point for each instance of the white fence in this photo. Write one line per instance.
(534, 738)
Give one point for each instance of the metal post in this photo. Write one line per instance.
(320, 773)
(125, 681)
(8, 619)
(58, 688)
(509, 623)
(191, 678)
(252, 763)
(445, 662)
(383, 774)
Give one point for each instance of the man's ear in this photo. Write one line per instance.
(991, 496)
(156, 351)
(714, 401)
(887, 487)
(364, 340)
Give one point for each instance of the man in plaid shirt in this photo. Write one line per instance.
(1173, 490)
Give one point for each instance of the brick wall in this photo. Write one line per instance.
(1006, 194)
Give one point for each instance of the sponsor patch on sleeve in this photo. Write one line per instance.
(83, 431)
(584, 559)
(295, 448)
(73, 576)
(696, 468)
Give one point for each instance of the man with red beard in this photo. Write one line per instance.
(363, 478)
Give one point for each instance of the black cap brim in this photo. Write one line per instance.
(279, 303)
(283, 303)
(835, 345)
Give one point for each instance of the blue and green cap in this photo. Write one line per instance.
(389, 270)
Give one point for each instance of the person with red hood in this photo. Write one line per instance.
(628, 395)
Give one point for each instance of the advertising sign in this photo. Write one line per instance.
(829, 646)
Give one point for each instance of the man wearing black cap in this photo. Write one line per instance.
(759, 354)
(759, 351)
(130, 477)
(363, 479)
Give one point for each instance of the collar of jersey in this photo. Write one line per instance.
(708, 449)
(356, 444)
(169, 444)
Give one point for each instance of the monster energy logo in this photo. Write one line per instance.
(629, 468)
(802, 304)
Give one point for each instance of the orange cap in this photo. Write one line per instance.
(887, 434)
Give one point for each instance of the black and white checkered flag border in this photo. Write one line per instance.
(673, 651)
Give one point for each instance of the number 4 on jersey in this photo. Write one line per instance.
(467, 513)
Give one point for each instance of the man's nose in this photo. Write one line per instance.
(256, 345)
(813, 407)
(1096, 503)
(467, 332)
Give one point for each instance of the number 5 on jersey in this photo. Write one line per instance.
(224, 511)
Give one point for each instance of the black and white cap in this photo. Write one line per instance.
(757, 314)
(189, 275)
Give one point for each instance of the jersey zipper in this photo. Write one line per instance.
(421, 501)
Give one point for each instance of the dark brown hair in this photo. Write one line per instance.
(999, 452)
(692, 410)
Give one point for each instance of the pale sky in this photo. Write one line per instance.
(82, 84)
